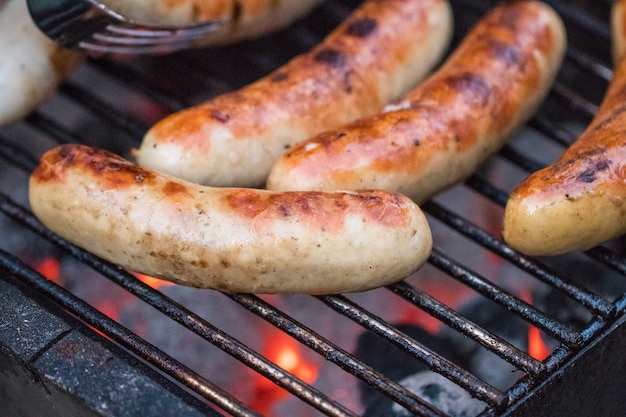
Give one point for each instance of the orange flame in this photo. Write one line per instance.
(284, 352)
(51, 269)
(153, 282)
(537, 348)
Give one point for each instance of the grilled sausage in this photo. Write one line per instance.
(446, 127)
(31, 66)
(577, 202)
(229, 239)
(379, 52)
(245, 18)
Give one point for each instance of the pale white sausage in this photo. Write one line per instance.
(229, 239)
(32, 66)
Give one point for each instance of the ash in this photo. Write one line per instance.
(441, 393)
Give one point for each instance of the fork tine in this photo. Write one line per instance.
(89, 25)
(164, 34)
(125, 39)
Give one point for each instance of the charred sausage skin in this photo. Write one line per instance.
(229, 239)
(379, 52)
(446, 127)
(577, 202)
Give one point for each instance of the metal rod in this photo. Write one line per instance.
(335, 354)
(436, 362)
(595, 303)
(125, 337)
(552, 327)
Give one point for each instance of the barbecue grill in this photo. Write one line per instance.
(81, 336)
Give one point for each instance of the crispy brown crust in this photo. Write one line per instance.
(332, 72)
(448, 125)
(368, 60)
(578, 201)
(231, 239)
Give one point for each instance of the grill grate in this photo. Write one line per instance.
(167, 84)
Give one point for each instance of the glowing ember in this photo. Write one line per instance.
(50, 268)
(536, 346)
(152, 281)
(284, 352)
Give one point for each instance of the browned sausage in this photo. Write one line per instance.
(382, 50)
(230, 239)
(244, 18)
(577, 202)
(446, 127)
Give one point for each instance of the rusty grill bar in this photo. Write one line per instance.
(158, 88)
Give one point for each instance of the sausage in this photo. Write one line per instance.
(446, 127)
(577, 202)
(32, 65)
(380, 51)
(244, 19)
(228, 239)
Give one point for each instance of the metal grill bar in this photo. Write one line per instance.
(495, 344)
(511, 302)
(434, 361)
(541, 271)
(337, 355)
(123, 336)
(111, 115)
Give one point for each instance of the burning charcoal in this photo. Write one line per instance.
(435, 389)
(497, 320)
(395, 363)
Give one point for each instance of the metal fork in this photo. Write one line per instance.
(89, 25)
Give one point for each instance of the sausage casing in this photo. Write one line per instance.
(578, 201)
(32, 65)
(244, 19)
(446, 127)
(229, 239)
(379, 52)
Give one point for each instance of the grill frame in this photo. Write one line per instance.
(576, 347)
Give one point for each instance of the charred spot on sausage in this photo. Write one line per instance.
(587, 176)
(284, 210)
(472, 85)
(362, 27)
(219, 116)
(602, 165)
(279, 76)
(332, 57)
(508, 54)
